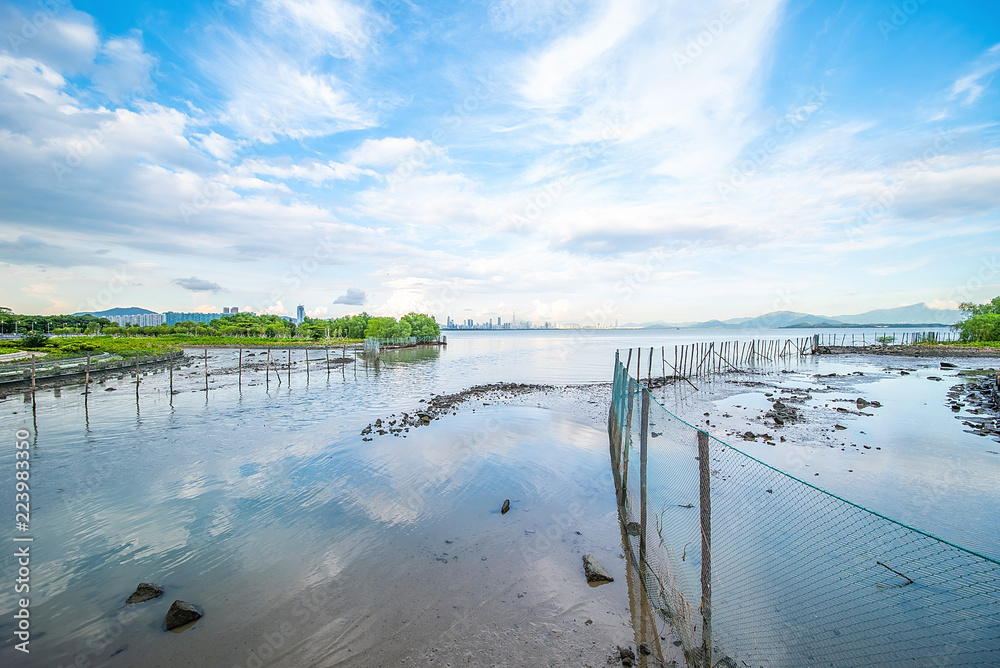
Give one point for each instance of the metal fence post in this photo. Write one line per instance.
(705, 473)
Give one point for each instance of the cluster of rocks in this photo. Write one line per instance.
(979, 396)
(441, 404)
(180, 613)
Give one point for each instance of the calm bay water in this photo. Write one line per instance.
(263, 504)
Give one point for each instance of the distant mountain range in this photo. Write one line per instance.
(130, 310)
(913, 315)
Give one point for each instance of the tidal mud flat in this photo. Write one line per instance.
(915, 439)
(302, 543)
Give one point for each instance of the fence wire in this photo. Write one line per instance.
(798, 576)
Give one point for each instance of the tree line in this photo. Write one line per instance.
(241, 325)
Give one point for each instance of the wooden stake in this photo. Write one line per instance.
(239, 368)
(705, 496)
(32, 372)
(307, 365)
(289, 366)
(643, 446)
(86, 381)
(206, 372)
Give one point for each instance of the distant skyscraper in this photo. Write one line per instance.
(234, 309)
(300, 314)
(225, 309)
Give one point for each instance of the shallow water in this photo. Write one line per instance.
(303, 543)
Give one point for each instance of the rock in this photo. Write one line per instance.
(144, 592)
(934, 378)
(644, 649)
(594, 571)
(839, 427)
(179, 614)
(505, 508)
(948, 365)
(626, 656)
(633, 529)
(862, 403)
(749, 436)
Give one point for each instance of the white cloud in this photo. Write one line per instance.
(971, 85)
(312, 171)
(336, 27)
(122, 69)
(66, 41)
(218, 146)
(392, 151)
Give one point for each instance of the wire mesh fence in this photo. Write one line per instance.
(753, 567)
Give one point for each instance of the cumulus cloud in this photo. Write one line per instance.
(195, 284)
(353, 297)
(122, 69)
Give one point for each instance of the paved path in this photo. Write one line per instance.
(21, 354)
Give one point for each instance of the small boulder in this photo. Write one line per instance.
(862, 403)
(626, 656)
(144, 592)
(594, 571)
(948, 365)
(179, 614)
(505, 508)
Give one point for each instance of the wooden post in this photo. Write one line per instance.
(307, 365)
(86, 379)
(627, 441)
(171, 354)
(643, 445)
(327, 349)
(343, 363)
(239, 368)
(137, 376)
(32, 372)
(649, 368)
(638, 365)
(267, 370)
(206, 372)
(663, 363)
(289, 366)
(704, 474)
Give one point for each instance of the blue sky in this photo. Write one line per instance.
(575, 162)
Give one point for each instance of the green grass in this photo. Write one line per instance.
(74, 346)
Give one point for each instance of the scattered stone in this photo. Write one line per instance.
(595, 572)
(505, 508)
(839, 427)
(862, 403)
(179, 614)
(644, 649)
(633, 529)
(144, 592)
(948, 365)
(934, 378)
(626, 656)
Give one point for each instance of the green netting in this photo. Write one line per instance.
(799, 577)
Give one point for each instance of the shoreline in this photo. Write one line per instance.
(911, 350)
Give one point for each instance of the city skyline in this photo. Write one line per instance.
(571, 161)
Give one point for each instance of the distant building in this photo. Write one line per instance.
(173, 317)
(234, 309)
(225, 310)
(138, 320)
(300, 314)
